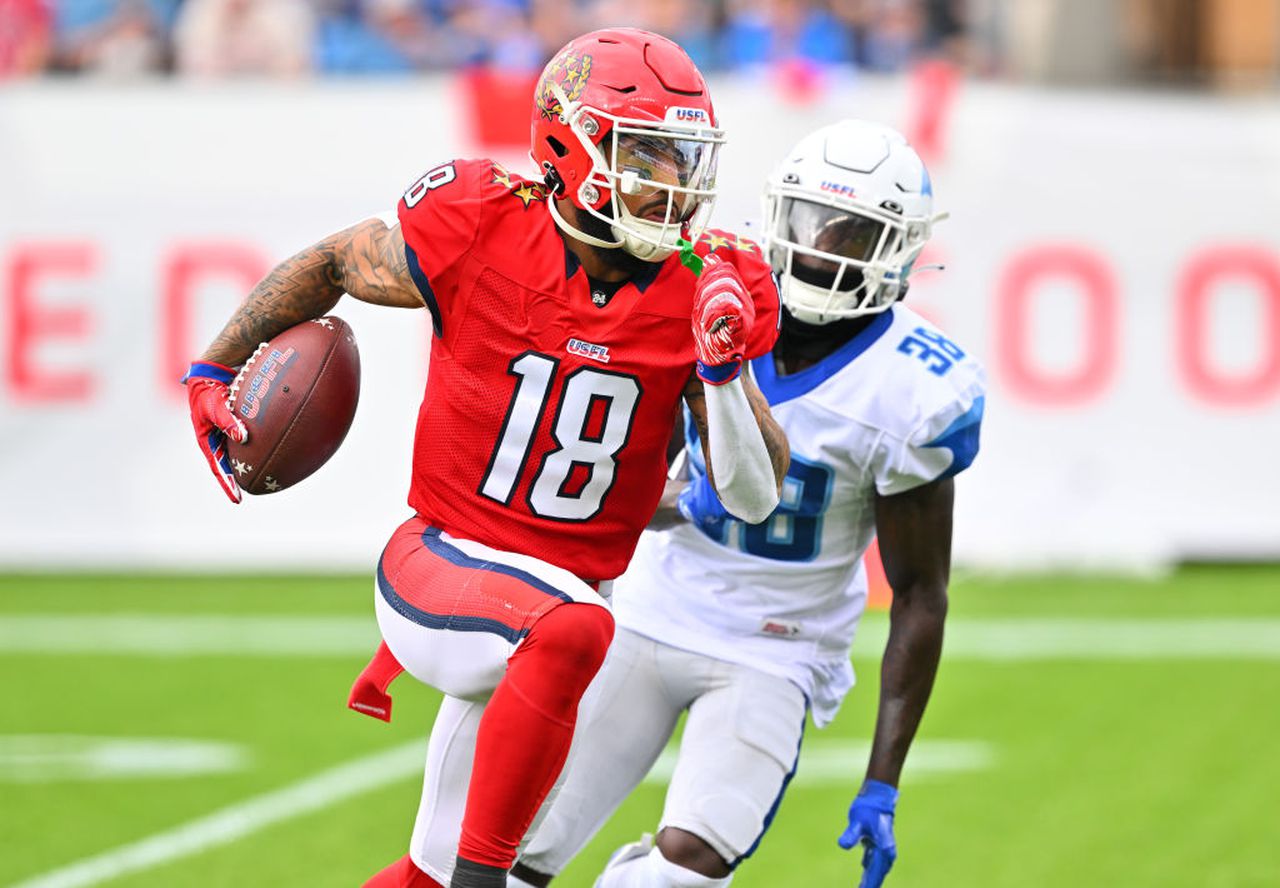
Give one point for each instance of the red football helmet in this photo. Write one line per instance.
(626, 112)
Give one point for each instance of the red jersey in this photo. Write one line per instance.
(545, 423)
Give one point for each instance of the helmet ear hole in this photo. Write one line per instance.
(552, 179)
(557, 146)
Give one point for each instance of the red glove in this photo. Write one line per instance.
(722, 317)
(213, 420)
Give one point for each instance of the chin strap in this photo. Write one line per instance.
(577, 233)
(641, 249)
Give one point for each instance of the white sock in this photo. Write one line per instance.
(655, 871)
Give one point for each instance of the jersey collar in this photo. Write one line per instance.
(783, 388)
(642, 280)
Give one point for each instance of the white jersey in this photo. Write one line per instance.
(896, 407)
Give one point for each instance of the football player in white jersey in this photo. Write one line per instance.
(749, 627)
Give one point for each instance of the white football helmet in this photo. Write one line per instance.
(845, 216)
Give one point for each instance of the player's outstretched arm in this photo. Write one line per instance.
(366, 260)
(914, 529)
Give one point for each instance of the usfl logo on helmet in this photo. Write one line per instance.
(570, 70)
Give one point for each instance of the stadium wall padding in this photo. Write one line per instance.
(1113, 259)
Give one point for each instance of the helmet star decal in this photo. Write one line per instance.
(570, 70)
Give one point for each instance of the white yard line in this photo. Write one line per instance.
(1098, 638)
(239, 820)
(998, 638)
(49, 758)
(185, 636)
(823, 761)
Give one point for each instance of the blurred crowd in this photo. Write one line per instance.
(291, 38)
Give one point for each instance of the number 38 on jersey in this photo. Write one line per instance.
(590, 425)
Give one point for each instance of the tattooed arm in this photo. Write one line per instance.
(775, 440)
(366, 260)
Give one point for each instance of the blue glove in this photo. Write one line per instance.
(871, 822)
(701, 507)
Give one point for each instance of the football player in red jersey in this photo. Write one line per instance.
(567, 332)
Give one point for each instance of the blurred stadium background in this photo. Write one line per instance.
(175, 670)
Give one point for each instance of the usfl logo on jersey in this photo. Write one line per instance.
(589, 350)
(570, 71)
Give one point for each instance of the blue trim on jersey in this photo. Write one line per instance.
(647, 275)
(642, 280)
(424, 287)
(783, 388)
(454, 555)
(693, 444)
(571, 263)
(961, 438)
(773, 810)
(451, 622)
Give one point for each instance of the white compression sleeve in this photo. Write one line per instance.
(740, 461)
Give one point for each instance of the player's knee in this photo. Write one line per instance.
(576, 637)
(687, 850)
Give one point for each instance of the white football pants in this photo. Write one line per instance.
(739, 749)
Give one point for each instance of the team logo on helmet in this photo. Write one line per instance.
(570, 70)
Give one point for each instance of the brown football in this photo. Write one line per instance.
(297, 396)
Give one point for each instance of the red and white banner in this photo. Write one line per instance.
(1114, 260)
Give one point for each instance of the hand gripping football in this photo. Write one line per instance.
(297, 395)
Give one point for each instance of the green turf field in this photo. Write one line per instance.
(1084, 731)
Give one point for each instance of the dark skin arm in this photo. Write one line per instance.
(366, 260)
(914, 529)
